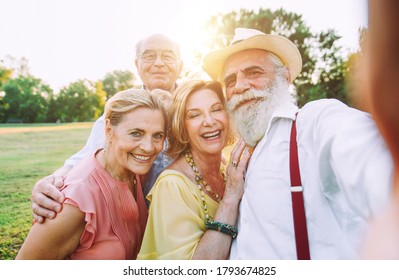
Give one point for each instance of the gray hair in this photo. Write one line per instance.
(279, 66)
(174, 44)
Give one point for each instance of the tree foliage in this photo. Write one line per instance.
(116, 81)
(323, 70)
(25, 100)
(5, 75)
(77, 102)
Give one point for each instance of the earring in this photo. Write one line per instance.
(107, 142)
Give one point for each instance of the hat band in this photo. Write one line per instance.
(235, 42)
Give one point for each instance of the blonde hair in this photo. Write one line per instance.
(178, 136)
(126, 101)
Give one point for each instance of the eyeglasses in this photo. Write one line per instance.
(151, 56)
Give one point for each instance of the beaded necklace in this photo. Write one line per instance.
(202, 183)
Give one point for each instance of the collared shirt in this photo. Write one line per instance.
(346, 173)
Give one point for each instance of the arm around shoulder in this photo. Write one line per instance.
(46, 197)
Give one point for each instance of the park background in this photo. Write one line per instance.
(61, 60)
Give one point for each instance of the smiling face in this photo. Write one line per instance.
(257, 84)
(249, 69)
(135, 142)
(158, 63)
(206, 122)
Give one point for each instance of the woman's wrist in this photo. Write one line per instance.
(222, 227)
(231, 200)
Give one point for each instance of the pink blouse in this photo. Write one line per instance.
(115, 222)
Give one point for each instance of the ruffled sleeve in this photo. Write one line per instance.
(80, 196)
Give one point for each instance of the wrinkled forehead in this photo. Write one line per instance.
(158, 43)
(245, 59)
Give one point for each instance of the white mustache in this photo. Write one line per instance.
(237, 100)
(251, 121)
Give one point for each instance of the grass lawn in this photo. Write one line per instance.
(29, 152)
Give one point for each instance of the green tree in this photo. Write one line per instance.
(26, 99)
(329, 71)
(99, 99)
(54, 110)
(117, 80)
(322, 69)
(77, 102)
(5, 75)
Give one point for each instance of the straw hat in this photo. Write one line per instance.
(245, 39)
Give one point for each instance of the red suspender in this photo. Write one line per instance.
(298, 208)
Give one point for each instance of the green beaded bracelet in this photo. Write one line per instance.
(222, 227)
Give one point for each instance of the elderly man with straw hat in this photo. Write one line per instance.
(317, 174)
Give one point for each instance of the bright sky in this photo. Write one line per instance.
(67, 40)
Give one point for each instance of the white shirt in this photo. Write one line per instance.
(95, 141)
(346, 173)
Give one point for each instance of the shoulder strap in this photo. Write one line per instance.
(298, 208)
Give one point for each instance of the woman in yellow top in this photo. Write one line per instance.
(193, 210)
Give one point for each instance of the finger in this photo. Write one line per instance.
(40, 213)
(49, 190)
(245, 158)
(237, 150)
(239, 142)
(37, 219)
(46, 201)
(240, 149)
(58, 182)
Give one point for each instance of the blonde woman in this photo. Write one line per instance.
(104, 212)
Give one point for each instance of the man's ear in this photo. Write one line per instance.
(181, 64)
(136, 63)
(287, 76)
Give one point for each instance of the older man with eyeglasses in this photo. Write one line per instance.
(158, 62)
(159, 65)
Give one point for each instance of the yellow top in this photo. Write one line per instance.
(176, 220)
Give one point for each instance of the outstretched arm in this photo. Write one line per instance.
(382, 76)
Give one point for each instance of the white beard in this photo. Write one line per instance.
(252, 120)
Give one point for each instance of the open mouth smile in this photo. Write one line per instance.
(211, 135)
(141, 157)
